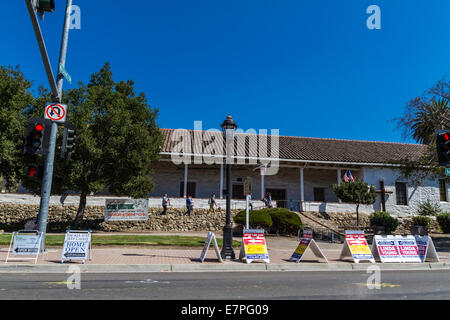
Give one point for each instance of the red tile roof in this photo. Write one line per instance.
(294, 148)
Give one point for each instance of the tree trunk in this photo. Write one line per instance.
(81, 207)
(357, 214)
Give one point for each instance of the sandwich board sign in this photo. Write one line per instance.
(407, 247)
(385, 248)
(254, 246)
(77, 246)
(356, 247)
(307, 244)
(26, 244)
(427, 250)
(211, 237)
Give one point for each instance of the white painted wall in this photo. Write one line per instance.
(429, 189)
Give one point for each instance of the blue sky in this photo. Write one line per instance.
(306, 67)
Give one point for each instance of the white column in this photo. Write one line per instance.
(185, 179)
(302, 189)
(221, 181)
(263, 193)
(339, 176)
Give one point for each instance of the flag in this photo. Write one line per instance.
(348, 176)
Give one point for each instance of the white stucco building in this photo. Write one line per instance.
(192, 163)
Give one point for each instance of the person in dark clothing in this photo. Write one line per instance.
(189, 206)
(165, 203)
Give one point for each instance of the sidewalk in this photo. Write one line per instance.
(162, 259)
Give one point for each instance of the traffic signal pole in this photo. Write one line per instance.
(49, 162)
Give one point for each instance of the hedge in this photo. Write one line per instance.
(444, 222)
(384, 219)
(273, 220)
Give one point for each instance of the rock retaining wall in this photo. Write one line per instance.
(13, 217)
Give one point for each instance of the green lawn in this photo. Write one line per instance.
(128, 240)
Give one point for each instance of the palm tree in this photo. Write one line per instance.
(429, 117)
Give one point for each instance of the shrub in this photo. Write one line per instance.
(384, 219)
(259, 219)
(284, 221)
(422, 221)
(427, 209)
(275, 220)
(444, 222)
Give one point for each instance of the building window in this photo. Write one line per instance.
(191, 189)
(401, 193)
(443, 190)
(319, 194)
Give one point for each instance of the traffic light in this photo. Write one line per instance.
(69, 141)
(37, 136)
(45, 6)
(443, 147)
(35, 172)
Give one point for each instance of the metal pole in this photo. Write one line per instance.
(42, 47)
(49, 162)
(227, 250)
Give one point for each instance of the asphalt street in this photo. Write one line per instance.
(397, 285)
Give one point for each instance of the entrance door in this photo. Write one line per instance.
(278, 195)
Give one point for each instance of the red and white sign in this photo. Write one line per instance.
(357, 247)
(386, 249)
(407, 247)
(254, 246)
(56, 112)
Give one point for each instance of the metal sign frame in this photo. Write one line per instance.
(65, 258)
(307, 243)
(211, 237)
(11, 244)
(429, 253)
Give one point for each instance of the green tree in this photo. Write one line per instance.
(422, 117)
(16, 100)
(356, 192)
(117, 140)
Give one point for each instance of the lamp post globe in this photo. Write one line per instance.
(229, 127)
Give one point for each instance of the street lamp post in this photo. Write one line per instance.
(229, 127)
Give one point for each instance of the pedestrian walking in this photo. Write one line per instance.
(268, 200)
(165, 203)
(212, 203)
(189, 205)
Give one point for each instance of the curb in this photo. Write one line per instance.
(225, 267)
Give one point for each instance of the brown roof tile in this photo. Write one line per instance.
(296, 148)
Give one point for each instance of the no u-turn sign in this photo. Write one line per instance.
(56, 112)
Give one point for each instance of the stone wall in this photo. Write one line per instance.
(14, 216)
(344, 221)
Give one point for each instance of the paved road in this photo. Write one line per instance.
(229, 286)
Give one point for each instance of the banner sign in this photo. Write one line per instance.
(426, 248)
(407, 247)
(254, 246)
(211, 237)
(357, 247)
(25, 243)
(77, 245)
(307, 243)
(126, 210)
